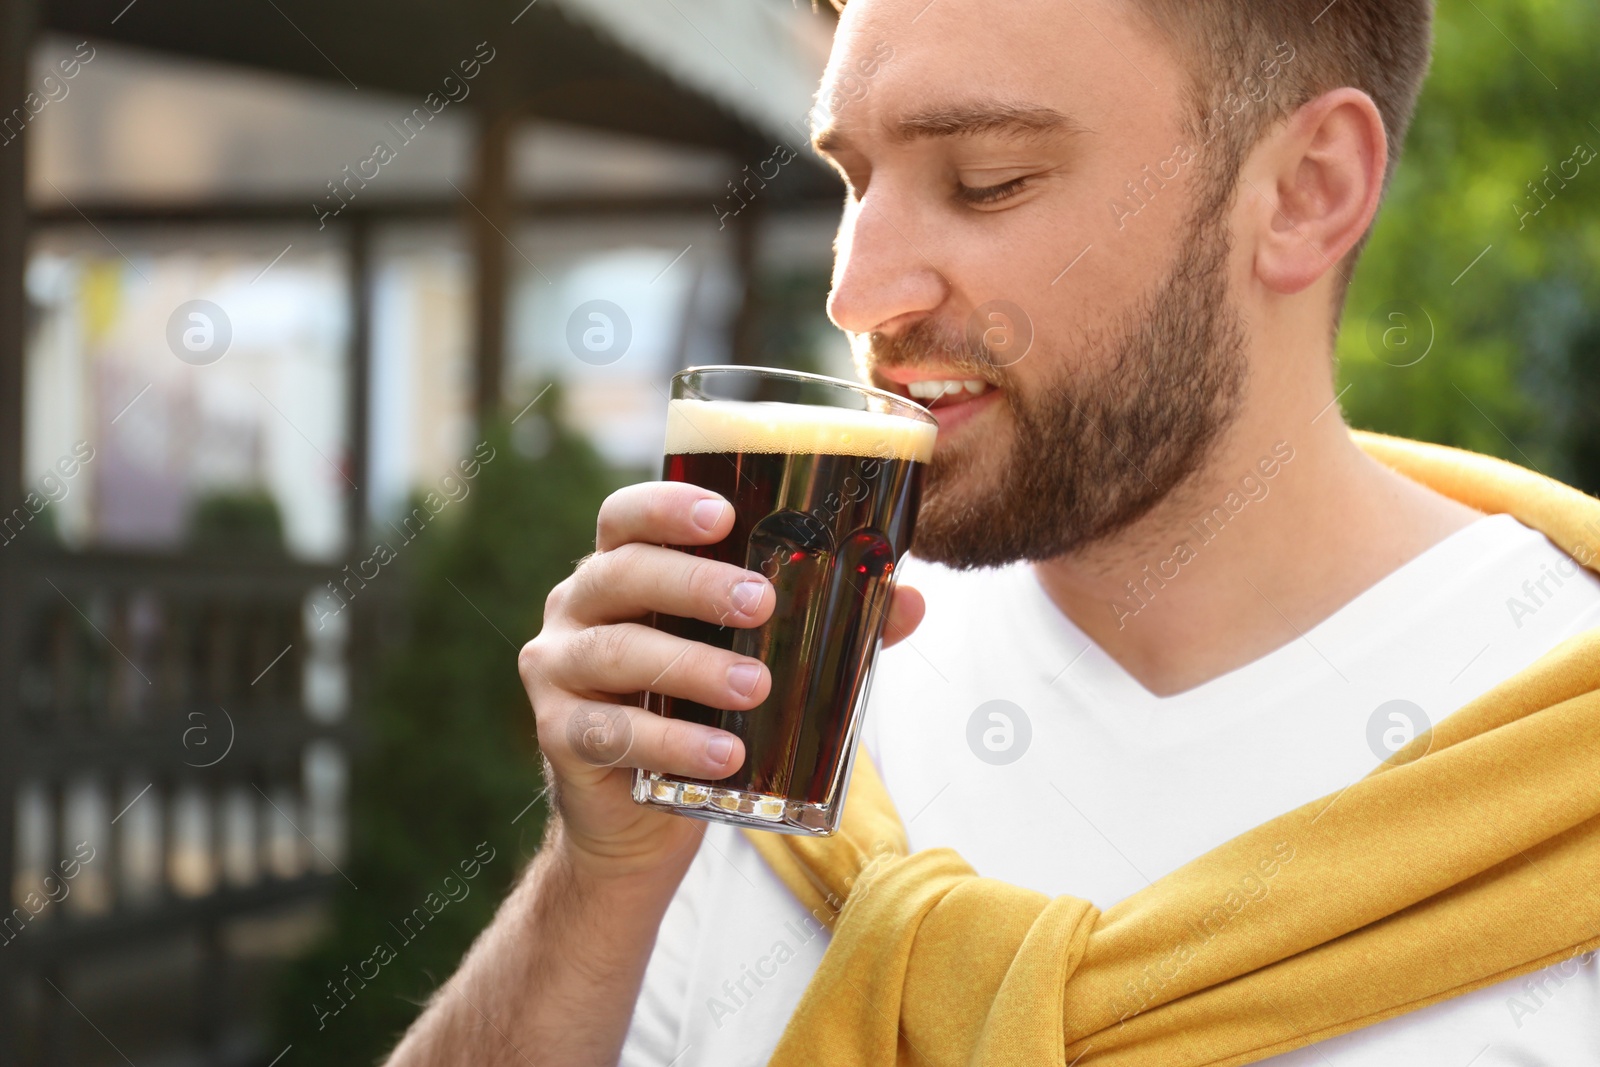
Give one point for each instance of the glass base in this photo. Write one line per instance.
(763, 811)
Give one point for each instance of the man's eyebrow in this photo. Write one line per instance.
(962, 120)
(826, 140)
(966, 120)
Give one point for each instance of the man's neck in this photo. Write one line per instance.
(1288, 521)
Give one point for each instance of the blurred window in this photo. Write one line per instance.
(421, 361)
(198, 363)
(611, 308)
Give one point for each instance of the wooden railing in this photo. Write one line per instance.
(183, 742)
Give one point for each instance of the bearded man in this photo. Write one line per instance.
(1149, 772)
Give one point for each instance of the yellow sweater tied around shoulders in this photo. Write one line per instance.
(1468, 858)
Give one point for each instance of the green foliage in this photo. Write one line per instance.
(449, 756)
(241, 520)
(1514, 368)
(793, 313)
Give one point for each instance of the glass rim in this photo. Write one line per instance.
(918, 412)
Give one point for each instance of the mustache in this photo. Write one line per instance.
(930, 342)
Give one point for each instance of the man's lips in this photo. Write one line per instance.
(950, 396)
(932, 388)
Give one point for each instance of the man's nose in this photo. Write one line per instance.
(882, 279)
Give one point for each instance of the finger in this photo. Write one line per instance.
(636, 578)
(599, 734)
(905, 615)
(629, 658)
(663, 513)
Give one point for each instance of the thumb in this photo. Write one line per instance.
(905, 615)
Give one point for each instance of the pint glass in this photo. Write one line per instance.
(824, 477)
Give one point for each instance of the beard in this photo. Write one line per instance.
(1134, 410)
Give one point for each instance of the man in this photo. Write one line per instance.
(1165, 596)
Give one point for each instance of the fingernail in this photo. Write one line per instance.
(719, 748)
(746, 596)
(742, 679)
(706, 513)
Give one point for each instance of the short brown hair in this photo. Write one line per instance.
(1381, 47)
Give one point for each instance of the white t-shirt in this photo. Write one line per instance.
(1109, 787)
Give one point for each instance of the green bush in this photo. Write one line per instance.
(1514, 368)
(243, 520)
(449, 757)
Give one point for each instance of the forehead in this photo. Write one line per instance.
(1096, 60)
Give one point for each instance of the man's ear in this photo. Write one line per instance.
(1313, 185)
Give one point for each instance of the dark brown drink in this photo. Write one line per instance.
(824, 501)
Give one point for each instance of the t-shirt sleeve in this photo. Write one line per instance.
(654, 1036)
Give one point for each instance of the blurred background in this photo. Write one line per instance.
(323, 330)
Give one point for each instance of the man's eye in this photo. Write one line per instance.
(989, 194)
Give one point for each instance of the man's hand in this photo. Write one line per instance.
(597, 650)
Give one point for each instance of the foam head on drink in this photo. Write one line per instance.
(824, 503)
(741, 426)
